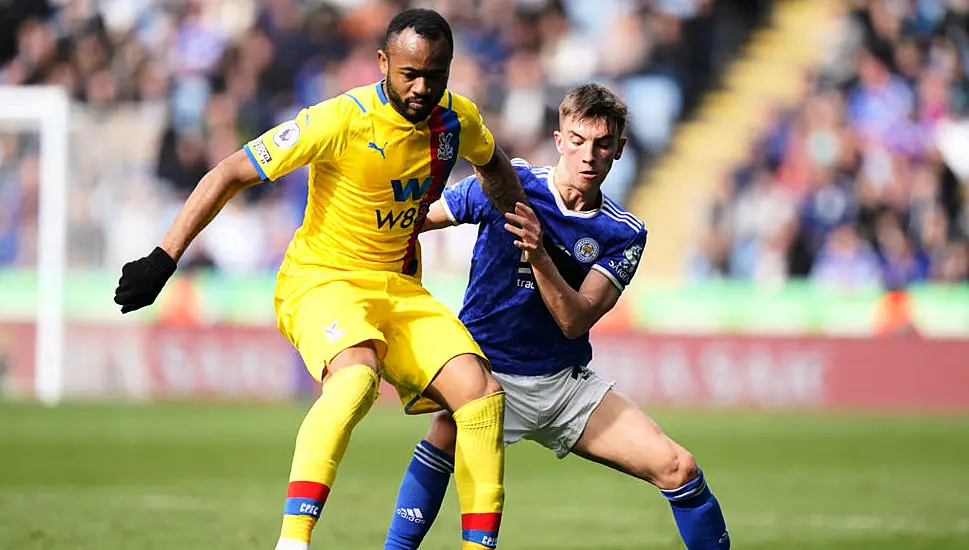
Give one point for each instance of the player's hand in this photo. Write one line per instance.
(142, 280)
(524, 224)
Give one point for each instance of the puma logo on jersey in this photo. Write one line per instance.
(380, 150)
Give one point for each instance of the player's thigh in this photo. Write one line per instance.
(623, 437)
(333, 324)
(427, 343)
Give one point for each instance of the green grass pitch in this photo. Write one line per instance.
(212, 477)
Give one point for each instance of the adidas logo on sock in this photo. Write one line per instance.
(411, 514)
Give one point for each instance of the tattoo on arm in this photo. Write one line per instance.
(499, 181)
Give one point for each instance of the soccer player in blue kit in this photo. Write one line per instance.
(535, 291)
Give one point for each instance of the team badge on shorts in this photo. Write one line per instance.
(286, 136)
(586, 250)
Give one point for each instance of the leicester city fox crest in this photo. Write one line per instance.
(445, 151)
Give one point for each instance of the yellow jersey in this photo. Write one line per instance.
(372, 175)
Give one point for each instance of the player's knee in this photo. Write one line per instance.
(480, 382)
(679, 469)
(443, 432)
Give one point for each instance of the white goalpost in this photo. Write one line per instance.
(46, 109)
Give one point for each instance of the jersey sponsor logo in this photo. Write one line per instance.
(372, 145)
(445, 151)
(586, 250)
(262, 154)
(334, 333)
(286, 135)
(526, 277)
(413, 190)
(402, 218)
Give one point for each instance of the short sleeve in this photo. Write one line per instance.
(317, 134)
(465, 202)
(619, 265)
(477, 145)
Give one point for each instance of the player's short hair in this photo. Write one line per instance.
(595, 102)
(426, 23)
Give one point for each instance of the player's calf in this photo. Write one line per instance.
(322, 440)
(620, 435)
(466, 387)
(424, 485)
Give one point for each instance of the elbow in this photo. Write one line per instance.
(224, 179)
(573, 329)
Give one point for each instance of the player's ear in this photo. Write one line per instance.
(384, 62)
(558, 141)
(619, 148)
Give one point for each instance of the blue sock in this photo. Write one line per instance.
(420, 496)
(698, 516)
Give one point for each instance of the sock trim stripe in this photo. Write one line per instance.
(307, 489)
(303, 507)
(446, 464)
(488, 521)
(688, 491)
(432, 465)
(437, 453)
(488, 539)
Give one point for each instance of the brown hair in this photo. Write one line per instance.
(594, 102)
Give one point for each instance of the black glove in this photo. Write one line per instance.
(142, 280)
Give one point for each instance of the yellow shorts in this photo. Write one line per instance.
(325, 311)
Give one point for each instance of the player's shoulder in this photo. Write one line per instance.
(620, 221)
(350, 104)
(459, 104)
(532, 177)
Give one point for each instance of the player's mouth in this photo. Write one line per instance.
(416, 105)
(589, 174)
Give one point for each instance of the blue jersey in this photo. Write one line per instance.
(503, 308)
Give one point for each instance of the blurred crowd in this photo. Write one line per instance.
(864, 182)
(164, 89)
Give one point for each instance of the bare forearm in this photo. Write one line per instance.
(436, 218)
(572, 312)
(500, 182)
(207, 199)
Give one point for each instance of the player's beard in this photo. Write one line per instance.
(400, 105)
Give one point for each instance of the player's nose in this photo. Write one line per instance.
(420, 86)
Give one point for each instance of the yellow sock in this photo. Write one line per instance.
(320, 444)
(479, 469)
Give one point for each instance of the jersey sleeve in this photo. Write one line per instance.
(465, 202)
(477, 145)
(620, 264)
(317, 134)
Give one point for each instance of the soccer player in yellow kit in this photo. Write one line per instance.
(348, 293)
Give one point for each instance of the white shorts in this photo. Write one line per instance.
(552, 409)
